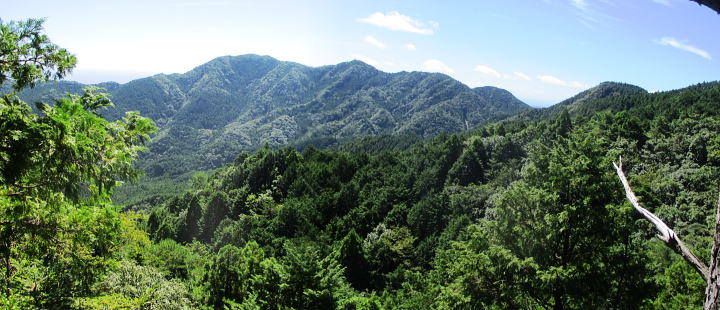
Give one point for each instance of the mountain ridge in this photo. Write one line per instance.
(233, 104)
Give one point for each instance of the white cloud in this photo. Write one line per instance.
(663, 2)
(492, 72)
(549, 79)
(592, 18)
(398, 22)
(522, 76)
(373, 41)
(366, 59)
(682, 46)
(580, 4)
(410, 47)
(487, 70)
(434, 65)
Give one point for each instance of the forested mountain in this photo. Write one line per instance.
(603, 90)
(583, 103)
(232, 104)
(520, 213)
(516, 214)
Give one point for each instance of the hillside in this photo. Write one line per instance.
(584, 103)
(602, 90)
(238, 103)
(473, 220)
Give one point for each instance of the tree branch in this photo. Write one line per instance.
(713, 4)
(667, 235)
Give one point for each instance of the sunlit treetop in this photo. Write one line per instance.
(27, 55)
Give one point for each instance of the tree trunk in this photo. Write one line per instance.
(713, 282)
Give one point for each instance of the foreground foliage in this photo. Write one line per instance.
(58, 231)
(519, 214)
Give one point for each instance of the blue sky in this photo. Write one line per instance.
(541, 50)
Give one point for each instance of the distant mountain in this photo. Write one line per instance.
(231, 104)
(602, 90)
(585, 103)
(499, 96)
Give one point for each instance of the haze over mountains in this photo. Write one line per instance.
(238, 103)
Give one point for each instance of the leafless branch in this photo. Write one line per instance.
(667, 235)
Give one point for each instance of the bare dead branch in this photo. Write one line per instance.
(667, 235)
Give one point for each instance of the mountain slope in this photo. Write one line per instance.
(462, 211)
(237, 103)
(602, 90)
(585, 102)
(499, 96)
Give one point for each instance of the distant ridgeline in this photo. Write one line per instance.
(232, 104)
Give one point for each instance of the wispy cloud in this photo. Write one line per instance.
(487, 70)
(366, 59)
(494, 73)
(398, 22)
(663, 2)
(549, 79)
(410, 47)
(580, 4)
(682, 46)
(201, 3)
(522, 76)
(586, 16)
(434, 65)
(373, 41)
(590, 13)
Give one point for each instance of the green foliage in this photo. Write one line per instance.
(558, 215)
(238, 104)
(58, 232)
(351, 255)
(27, 55)
(520, 214)
(476, 274)
(137, 287)
(313, 282)
(245, 274)
(680, 288)
(469, 167)
(217, 209)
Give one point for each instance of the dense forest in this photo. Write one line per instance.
(235, 104)
(523, 213)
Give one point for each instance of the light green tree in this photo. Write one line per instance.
(57, 172)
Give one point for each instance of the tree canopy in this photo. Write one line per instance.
(523, 213)
(58, 230)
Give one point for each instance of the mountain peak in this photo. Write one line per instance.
(499, 95)
(602, 90)
(356, 64)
